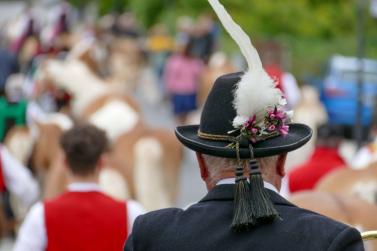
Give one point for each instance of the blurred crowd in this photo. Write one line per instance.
(56, 70)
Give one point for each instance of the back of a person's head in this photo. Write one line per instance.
(329, 135)
(83, 146)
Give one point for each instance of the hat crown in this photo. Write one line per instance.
(219, 112)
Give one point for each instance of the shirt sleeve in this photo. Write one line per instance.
(134, 209)
(32, 234)
(18, 179)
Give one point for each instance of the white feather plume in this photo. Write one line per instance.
(256, 91)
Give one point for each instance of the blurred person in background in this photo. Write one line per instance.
(15, 180)
(126, 26)
(323, 160)
(25, 42)
(185, 28)
(287, 83)
(204, 37)
(83, 218)
(8, 63)
(160, 45)
(13, 105)
(182, 75)
(367, 154)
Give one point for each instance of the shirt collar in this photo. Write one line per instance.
(83, 187)
(232, 181)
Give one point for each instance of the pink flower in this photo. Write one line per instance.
(271, 128)
(248, 124)
(276, 114)
(254, 130)
(284, 130)
(280, 115)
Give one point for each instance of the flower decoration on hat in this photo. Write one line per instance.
(274, 123)
(257, 100)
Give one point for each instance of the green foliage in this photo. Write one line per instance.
(313, 30)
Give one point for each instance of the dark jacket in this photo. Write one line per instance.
(206, 226)
(8, 66)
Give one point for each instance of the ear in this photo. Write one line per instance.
(280, 164)
(65, 162)
(102, 161)
(202, 166)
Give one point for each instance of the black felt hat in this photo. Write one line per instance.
(217, 116)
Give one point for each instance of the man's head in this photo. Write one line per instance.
(213, 169)
(83, 146)
(329, 136)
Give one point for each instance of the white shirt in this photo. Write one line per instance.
(18, 179)
(32, 234)
(233, 181)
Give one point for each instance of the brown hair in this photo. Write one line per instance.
(83, 145)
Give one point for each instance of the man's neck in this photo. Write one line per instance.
(92, 178)
(275, 183)
(267, 185)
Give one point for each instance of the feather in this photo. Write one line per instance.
(256, 90)
(255, 93)
(238, 35)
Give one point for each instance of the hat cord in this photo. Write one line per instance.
(262, 209)
(242, 198)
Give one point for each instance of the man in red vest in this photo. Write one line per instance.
(83, 218)
(324, 159)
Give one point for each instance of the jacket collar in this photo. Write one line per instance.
(226, 192)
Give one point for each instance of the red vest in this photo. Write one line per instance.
(85, 221)
(2, 182)
(323, 161)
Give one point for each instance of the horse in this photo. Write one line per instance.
(311, 112)
(362, 183)
(120, 117)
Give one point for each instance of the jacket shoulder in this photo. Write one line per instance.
(155, 220)
(335, 235)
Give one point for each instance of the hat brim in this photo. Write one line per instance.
(298, 135)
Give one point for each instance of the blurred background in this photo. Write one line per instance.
(137, 69)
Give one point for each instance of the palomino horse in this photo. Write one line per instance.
(38, 147)
(362, 183)
(95, 102)
(125, 62)
(311, 112)
(347, 209)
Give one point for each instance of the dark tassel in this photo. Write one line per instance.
(242, 203)
(262, 209)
